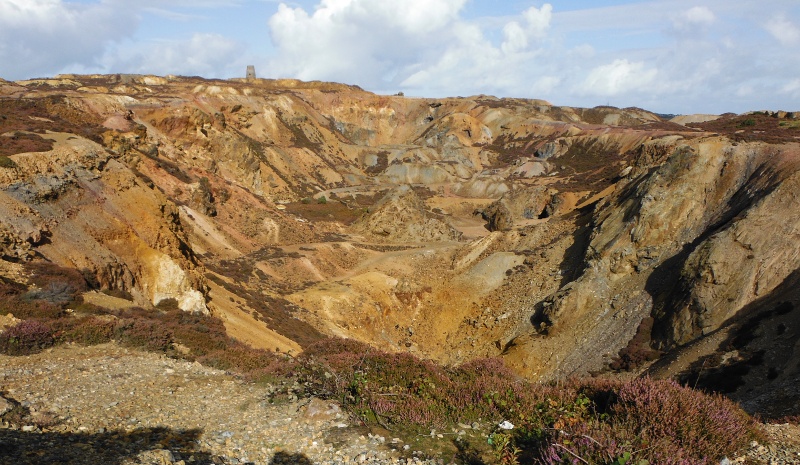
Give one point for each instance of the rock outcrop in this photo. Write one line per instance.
(400, 216)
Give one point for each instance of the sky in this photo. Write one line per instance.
(667, 56)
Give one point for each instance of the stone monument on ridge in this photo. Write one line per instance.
(251, 72)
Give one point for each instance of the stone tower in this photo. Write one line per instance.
(251, 72)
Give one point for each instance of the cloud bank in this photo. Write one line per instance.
(675, 56)
(40, 35)
(681, 56)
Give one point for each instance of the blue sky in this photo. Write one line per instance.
(669, 56)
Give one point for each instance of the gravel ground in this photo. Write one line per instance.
(111, 405)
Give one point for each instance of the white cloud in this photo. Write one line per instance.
(539, 19)
(745, 90)
(421, 46)
(343, 39)
(583, 51)
(699, 15)
(45, 36)
(792, 88)
(676, 56)
(545, 85)
(619, 77)
(786, 32)
(464, 64)
(693, 23)
(537, 22)
(203, 54)
(516, 40)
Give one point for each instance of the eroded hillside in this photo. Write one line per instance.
(568, 241)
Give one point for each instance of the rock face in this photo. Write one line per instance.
(400, 216)
(80, 207)
(605, 237)
(520, 205)
(672, 245)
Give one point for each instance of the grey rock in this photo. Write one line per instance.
(5, 406)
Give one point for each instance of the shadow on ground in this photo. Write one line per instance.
(285, 458)
(111, 447)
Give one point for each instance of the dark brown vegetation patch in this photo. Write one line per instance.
(166, 329)
(316, 210)
(381, 164)
(590, 165)
(52, 289)
(773, 128)
(52, 113)
(21, 142)
(510, 148)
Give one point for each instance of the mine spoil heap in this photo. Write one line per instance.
(567, 241)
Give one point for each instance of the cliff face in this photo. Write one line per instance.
(79, 207)
(566, 240)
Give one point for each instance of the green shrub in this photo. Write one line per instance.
(6, 162)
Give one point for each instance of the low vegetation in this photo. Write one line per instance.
(596, 421)
(578, 421)
(53, 312)
(6, 162)
(324, 209)
(759, 126)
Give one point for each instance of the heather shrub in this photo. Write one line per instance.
(486, 388)
(23, 308)
(252, 364)
(26, 337)
(792, 419)
(90, 330)
(10, 288)
(577, 421)
(62, 284)
(12, 301)
(53, 289)
(401, 389)
(378, 386)
(201, 334)
(144, 333)
(704, 426)
(646, 421)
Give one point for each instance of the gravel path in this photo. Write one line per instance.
(111, 405)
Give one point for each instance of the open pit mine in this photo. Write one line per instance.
(567, 241)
